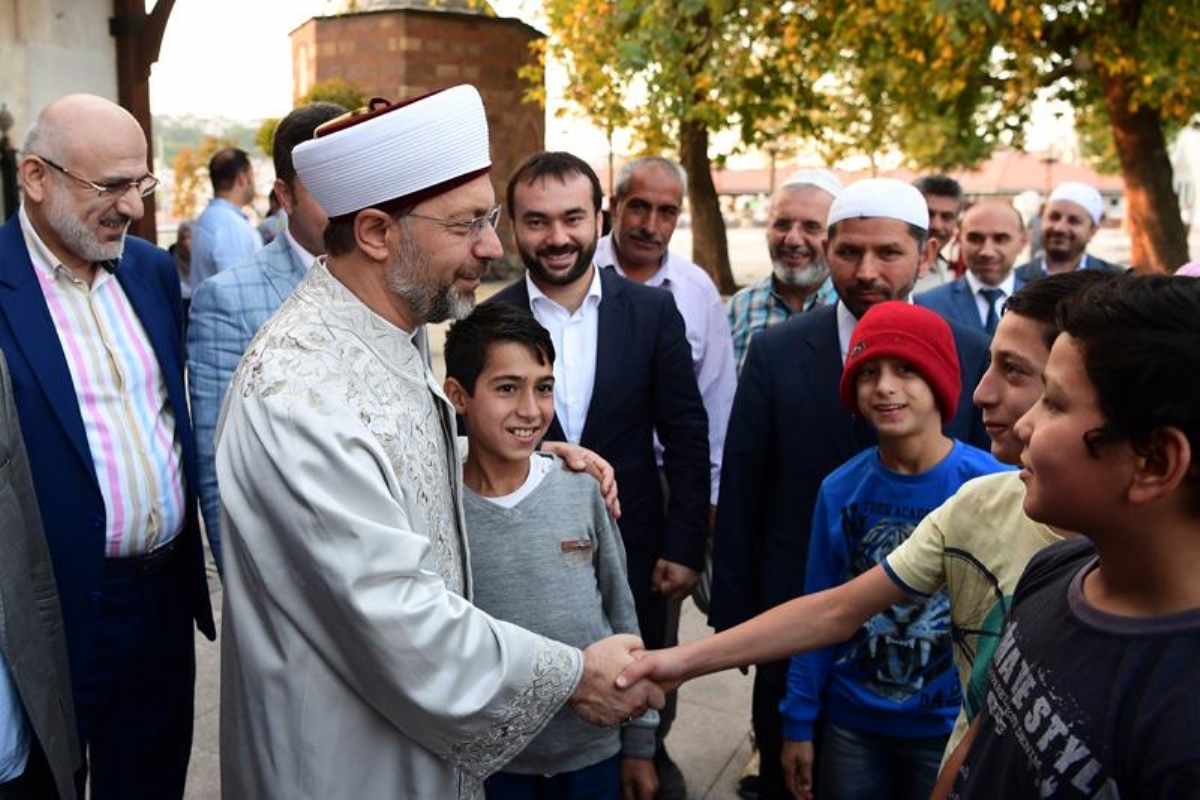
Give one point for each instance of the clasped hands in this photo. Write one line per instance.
(621, 680)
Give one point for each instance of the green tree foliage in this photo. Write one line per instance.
(944, 81)
(191, 175)
(265, 137)
(335, 90)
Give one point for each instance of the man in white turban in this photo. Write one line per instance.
(1070, 219)
(788, 430)
(354, 664)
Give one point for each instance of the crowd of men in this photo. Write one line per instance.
(291, 416)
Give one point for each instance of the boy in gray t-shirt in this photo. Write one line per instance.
(545, 554)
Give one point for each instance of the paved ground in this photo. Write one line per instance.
(710, 740)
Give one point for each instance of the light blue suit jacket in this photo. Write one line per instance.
(954, 301)
(227, 310)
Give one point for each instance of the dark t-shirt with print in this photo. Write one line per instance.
(1082, 703)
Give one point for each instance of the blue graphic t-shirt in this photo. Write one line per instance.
(896, 676)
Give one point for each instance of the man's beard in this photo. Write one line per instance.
(533, 263)
(802, 278)
(412, 278)
(75, 234)
(852, 295)
(1063, 248)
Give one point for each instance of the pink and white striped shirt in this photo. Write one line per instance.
(123, 400)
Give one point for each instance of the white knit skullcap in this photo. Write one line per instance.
(1081, 195)
(820, 178)
(408, 151)
(881, 197)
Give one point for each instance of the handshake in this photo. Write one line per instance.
(621, 680)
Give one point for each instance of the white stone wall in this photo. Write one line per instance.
(49, 48)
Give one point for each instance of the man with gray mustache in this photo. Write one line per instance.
(799, 279)
(646, 204)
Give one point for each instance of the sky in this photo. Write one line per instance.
(225, 58)
(233, 58)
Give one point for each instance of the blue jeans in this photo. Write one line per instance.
(598, 782)
(868, 766)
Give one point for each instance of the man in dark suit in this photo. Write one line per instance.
(1070, 219)
(992, 236)
(789, 430)
(39, 750)
(91, 324)
(624, 371)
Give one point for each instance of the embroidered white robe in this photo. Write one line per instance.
(353, 665)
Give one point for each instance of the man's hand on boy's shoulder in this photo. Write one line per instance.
(639, 780)
(580, 459)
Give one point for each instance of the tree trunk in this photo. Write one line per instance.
(710, 249)
(1155, 225)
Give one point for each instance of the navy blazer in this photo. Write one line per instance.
(955, 302)
(789, 430)
(645, 382)
(1032, 270)
(64, 473)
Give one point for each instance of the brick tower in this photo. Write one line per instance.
(407, 48)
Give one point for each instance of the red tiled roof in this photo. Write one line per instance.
(1006, 173)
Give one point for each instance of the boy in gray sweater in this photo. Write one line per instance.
(545, 554)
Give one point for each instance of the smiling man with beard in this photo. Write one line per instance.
(1072, 216)
(91, 324)
(788, 429)
(799, 279)
(624, 373)
(354, 663)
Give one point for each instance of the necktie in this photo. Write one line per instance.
(993, 318)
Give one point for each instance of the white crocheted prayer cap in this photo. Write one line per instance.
(1081, 195)
(408, 151)
(881, 197)
(820, 178)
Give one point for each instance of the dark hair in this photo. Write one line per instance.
(919, 234)
(1141, 351)
(939, 186)
(1039, 300)
(297, 127)
(225, 166)
(558, 165)
(470, 340)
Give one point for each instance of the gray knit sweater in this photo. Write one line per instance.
(555, 564)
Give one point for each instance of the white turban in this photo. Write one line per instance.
(820, 178)
(1081, 195)
(881, 197)
(407, 151)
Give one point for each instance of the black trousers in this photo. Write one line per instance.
(134, 705)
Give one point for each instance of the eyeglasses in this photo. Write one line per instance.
(471, 228)
(144, 185)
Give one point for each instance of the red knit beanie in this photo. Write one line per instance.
(914, 335)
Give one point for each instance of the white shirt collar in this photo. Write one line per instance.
(593, 296)
(306, 258)
(1008, 285)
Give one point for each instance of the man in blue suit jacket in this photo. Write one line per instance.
(1070, 219)
(642, 376)
(789, 430)
(993, 235)
(91, 325)
(230, 307)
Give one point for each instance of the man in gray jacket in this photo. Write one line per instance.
(39, 747)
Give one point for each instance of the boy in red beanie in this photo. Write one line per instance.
(888, 697)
